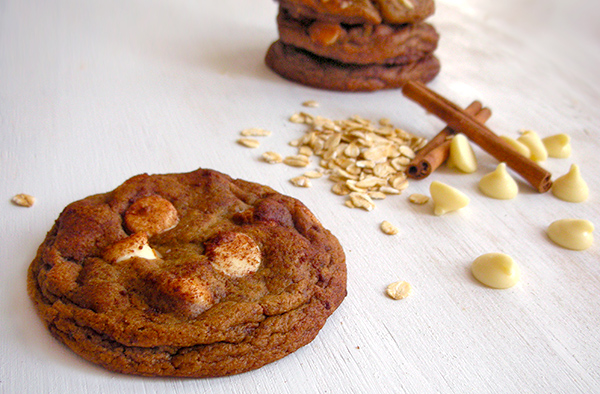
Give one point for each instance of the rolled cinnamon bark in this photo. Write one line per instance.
(461, 122)
(436, 151)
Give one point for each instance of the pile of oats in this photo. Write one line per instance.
(366, 161)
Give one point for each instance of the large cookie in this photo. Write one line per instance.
(191, 275)
(361, 11)
(359, 44)
(308, 69)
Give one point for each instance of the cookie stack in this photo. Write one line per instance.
(354, 45)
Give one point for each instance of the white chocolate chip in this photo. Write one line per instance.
(558, 146)
(135, 245)
(152, 215)
(535, 145)
(446, 198)
(461, 155)
(234, 254)
(499, 184)
(575, 234)
(519, 147)
(571, 187)
(185, 294)
(496, 270)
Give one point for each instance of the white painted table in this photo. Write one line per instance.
(93, 92)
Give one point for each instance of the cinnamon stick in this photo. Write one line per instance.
(462, 122)
(436, 151)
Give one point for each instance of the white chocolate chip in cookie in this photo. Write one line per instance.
(193, 296)
(324, 33)
(461, 155)
(152, 215)
(446, 198)
(234, 254)
(135, 245)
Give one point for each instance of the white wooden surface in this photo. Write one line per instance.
(95, 91)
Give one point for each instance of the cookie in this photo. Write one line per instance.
(190, 275)
(359, 44)
(308, 69)
(361, 11)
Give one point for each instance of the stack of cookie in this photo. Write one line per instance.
(354, 45)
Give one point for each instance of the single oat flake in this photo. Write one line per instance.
(23, 200)
(389, 228)
(310, 104)
(255, 132)
(418, 199)
(249, 142)
(272, 157)
(301, 181)
(399, 290)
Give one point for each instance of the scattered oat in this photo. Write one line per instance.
(249, 142)
(23, 200)
(362, 200)
(340, 188)
(301, 181)
(297, 161)
(377, 195)
(364, 159)
(310, 103)
(313, 174)
(255, 132)
(399, 290)
(272, 157)
(419, 199)
(389, 228)
(389, 190)
(300, 117)
(305, 151)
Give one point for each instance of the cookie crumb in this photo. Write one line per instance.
(23, 200)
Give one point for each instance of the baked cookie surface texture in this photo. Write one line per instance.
(191, 275)
(354, 45)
